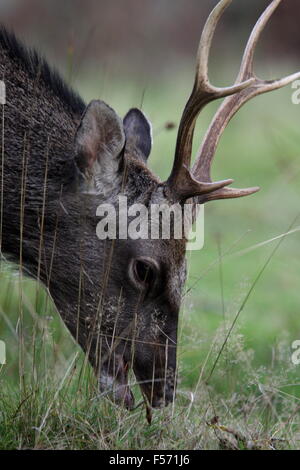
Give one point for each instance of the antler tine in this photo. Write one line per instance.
(202, 94)
(246, 69)
(202, 82)
(230, 106)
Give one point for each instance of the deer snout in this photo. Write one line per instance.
(160, 391)
(160, 401)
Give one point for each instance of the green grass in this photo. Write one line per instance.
(253, 387)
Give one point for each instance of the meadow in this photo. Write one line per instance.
(238, 387)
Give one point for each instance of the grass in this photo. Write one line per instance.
(238, 387)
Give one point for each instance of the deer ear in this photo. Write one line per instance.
(99, 141)
(138, 135)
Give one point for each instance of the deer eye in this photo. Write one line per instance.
(144, 274)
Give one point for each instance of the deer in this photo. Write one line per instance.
(60, 159)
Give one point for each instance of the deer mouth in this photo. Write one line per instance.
(157, 393)
(113, 382)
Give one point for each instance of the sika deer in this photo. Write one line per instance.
(60, 160)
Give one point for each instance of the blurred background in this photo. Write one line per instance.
(145, 37)
(142, 53)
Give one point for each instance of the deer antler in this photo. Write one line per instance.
(182, 183)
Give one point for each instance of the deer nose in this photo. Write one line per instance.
(160, 401)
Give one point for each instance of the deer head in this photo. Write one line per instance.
(155, 269)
